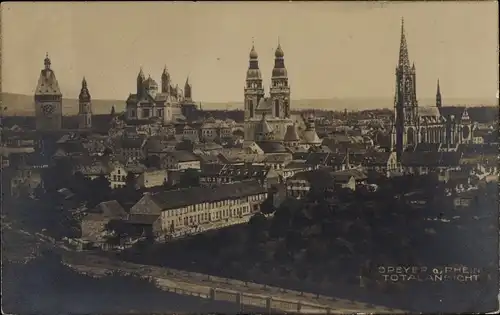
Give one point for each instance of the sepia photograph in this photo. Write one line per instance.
(314, 157)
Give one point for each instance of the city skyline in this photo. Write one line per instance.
(445, 40)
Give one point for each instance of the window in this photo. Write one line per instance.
(145, 113)
(276, 107)
(132, 113)
(250, 108)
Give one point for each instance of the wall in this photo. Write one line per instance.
(224, 289)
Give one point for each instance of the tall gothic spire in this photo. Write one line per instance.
(438, 95)
(404, 60)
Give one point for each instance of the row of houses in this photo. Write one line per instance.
(170, 214)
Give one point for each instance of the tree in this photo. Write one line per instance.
(267, 207)
(130, 181)
(101, 190)
(258, 228)
(113, 110)
(107, 152)
(152, 161)
(190, 178)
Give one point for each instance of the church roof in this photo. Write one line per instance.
(430, 111)
(292, 133)
(456, 111)
(264, 127)
(47, 83)
(272, 147)
(264, 104)
(311, 137)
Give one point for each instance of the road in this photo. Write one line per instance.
(181, 282)
(200, 285)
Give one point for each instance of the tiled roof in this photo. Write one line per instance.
(483, 114)
(197, 195)
(428, 147)
(428, 111)
(479, 148)
(376, 159)
(430, 159)
(183, 156)
(142, 219)
(277, 157)
(246, 171)
(272, 147)
(47, 83)
(208, 146)
(110, 209)
(132, 143)
(93, 167)
(448, 111)
(292, 133)
(356, 173)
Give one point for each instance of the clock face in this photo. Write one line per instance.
(48, 109)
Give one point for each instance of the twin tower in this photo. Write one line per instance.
(277, 106)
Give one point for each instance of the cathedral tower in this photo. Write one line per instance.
(140, 84)
(254, 91)
(187, 91)
(84, 107)
(438, 96)
(405, 131)
(48, 99)
(280, 91)
(165, 81)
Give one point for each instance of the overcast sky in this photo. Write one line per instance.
(331, 49)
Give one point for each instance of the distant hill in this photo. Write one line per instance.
(20, 104)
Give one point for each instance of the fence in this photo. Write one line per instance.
(235, 291)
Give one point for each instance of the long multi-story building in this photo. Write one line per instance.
(176, 213)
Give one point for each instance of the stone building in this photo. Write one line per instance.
(276, 107)
(84, 107)
(413, 124)
(151, 102)
(48, 100)
(177, 213)
(268, 120)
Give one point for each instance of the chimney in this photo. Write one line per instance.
(348, 166)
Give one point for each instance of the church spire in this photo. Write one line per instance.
(46, 61)
(85, 107)
(84, 92)
(404, 60)
(438, 95)
(187, 90)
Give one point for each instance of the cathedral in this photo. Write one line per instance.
(275, 109)
(48, 100)
(151, 102)
(413, 124)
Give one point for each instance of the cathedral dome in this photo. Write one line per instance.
(253, 53)
(279, 72)
(254, 74)
(279, 52)
(150, 83)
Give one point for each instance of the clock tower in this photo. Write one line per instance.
(48, 100)
(84, 107)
